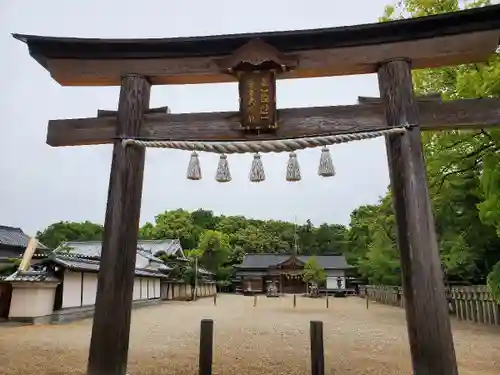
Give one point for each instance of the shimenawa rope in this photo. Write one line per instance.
(283, 145)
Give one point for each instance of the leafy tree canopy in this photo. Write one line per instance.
(313, 272)
(64, 231)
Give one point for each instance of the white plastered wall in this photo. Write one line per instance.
(89, 288)
(72, 289)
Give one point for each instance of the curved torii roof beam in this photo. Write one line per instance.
(445, 39)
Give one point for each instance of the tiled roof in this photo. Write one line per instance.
(77, 263)
(170, 247)
(147, 272)
(254, 273)
(260, 260)
(145, 248)
(32, 276)
(91, 264)
(148, 256)
(11, 236)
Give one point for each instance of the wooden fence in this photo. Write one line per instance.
(471, 303)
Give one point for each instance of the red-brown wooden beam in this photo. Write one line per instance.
(293, 122)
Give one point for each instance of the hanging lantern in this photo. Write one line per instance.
(257, 171)
(194, 169)
(293, 169)
(223, 174)
(326, 168)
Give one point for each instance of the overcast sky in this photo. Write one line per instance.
(40, 185)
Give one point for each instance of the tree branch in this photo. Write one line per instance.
(478, 159)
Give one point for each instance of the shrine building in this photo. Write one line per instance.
(285, 270)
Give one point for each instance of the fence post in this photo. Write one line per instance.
(327, 303)
(294, 300)
(206, 346)
(317, 350)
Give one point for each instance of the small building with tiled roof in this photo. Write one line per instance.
(76, 264)
(285, 270)
(63, 285)
(13, 242)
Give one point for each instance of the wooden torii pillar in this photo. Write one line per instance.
(389, 49)
(429, 328)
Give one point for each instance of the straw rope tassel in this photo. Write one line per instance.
(257, 171)
(194, 169)
(326, 168)
(293, 168)
(223, 174)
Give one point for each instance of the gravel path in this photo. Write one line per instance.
(272, 338)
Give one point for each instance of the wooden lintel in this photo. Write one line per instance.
(434, 97)
(362, 59)
(293, 122)
(107, 113)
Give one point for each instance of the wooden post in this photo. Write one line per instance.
(294, 300)
(254, 300)
(317, 350)
(215, 299)
(111, 328)
(327, 303)
(206, 346)
(427, 317)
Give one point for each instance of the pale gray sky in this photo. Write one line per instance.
(40, 185)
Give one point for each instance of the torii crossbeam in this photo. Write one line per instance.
(389, 49)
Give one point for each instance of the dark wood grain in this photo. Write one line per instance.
(272, 44)
(206, 347)
(317, 348)
(293, 122)
(257, 93)
(434, 97)
(429, 331)
(430, 52)
(111, 328)
(113, 113)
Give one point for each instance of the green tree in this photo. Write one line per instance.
(176, 224)
(331, 238)
(372, 243)
(313, 272)
(204, 219)
(494, 282)
(64, 231)
(215, 249)
(463, 166)
(10, 268)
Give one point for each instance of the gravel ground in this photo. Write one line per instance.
(272, 338)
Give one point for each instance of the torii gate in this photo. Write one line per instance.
(389, 49)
